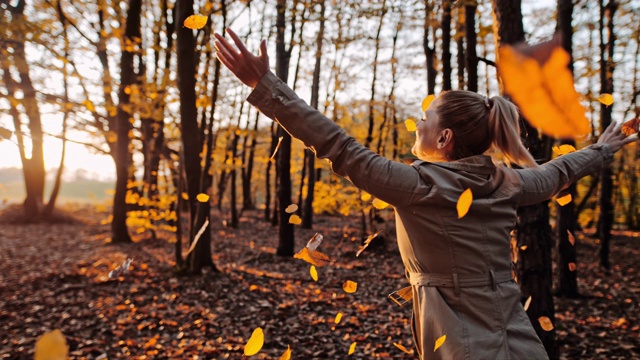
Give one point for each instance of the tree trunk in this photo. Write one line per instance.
(470, 38)
(429, 51)
(460, 57)
(567, 279)
(446, 44)
(533, 230)
(605, 221)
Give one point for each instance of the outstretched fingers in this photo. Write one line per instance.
(238, 42)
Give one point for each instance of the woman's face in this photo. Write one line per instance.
(427, 132)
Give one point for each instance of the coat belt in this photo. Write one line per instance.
(458, 281)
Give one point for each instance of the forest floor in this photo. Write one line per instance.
(55, 276)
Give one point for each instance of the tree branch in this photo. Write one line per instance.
(486, 61)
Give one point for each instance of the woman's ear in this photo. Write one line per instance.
(445, 139)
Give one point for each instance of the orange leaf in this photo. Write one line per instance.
(464, 202)
(404, 349)
(545, 323)
(195, 22)
(564, 200)
(287, 354)
(523, 247)
(439, 342)
(314, 273)
(563, 149)
(295, 220)
(606, 99)
(631, 127)
(338, 318)
(379, 204)
(255, 343)
(367, 242)
(202, 197)
(365, 196)
(350, 286)
(410, 124)
(427, 101)
(572, 266)
(291, 209)
(312, 257)
(571, 239)
(352, 348)
(51, 346)
(527, 303)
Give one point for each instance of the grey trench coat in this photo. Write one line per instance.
(459, 269)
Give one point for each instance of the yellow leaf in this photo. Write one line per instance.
(352, 348)
(295, 220)
(606, 99)
(350, 286)
(287, 354)
(571, 239)
(89, 105)
(439, 342)
(564, 200)
(291, 209)
(195, 22)
(202, 197)
(545, 323)
(464, 202)
(185, 196)
(523, 247)
(379, 204)
(410, 124)
(563, 149)
(365, 196)
(51, 346)
(427, 101)
(314, 273)
(404, 349)
(338, 318)
(255, 342)
(527, 303)
(312, 257)
(572, 266)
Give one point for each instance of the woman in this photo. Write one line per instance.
(459, 269)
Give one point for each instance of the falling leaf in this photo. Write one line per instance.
(5, 133)
(523, 247)
(464, 202)
(352, 348)
(367, 242)
(273, 156)
(619, 322)
(439, 342)
(202, 197)
(315, 241)
(287, 354)
(545, 323)
(314, 273)
(564, 149)
(350, 286)
(540, 83)
(295, 220)
(527, 303)
(410, 124)
(379, 204)
(291, 209)
(195, 22)
(571, 239)
(51, 346)
(564, 200)
(255, 342)
(572, 266)
(427, 101)
(197, 237)
(89, 105)
(312, 257)
(606, 99)
(404, 349)
(185, 196)
(365, 196)
(338, 318)
(631, 127)
(121, 270)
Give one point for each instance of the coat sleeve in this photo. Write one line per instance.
(393, 182)
(542, 183)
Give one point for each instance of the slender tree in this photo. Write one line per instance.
(471, 56)
(446, 44)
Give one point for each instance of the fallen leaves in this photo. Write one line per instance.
(464, 203)
(439, 342)
(255, 342)
(540, 83)
(352, 348)
(350, 286)
(195, 22)
(287, 354)
(51, 346)
(403, 349)
(338, 318)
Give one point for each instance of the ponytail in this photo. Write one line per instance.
(503, 125)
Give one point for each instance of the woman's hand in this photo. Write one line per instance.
(244, 65)
(615, 138)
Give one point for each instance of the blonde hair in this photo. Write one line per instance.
(478, 123)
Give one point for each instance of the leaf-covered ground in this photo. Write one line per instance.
(56, 276)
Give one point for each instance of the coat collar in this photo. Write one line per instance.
(479, 164)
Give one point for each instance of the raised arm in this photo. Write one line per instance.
(543, 182)
(393, 182)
